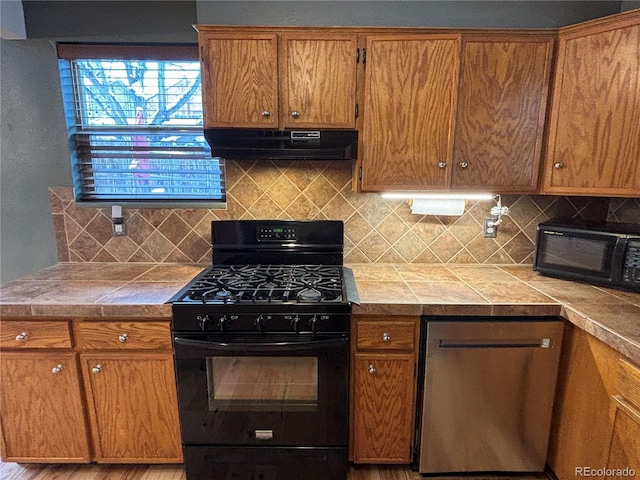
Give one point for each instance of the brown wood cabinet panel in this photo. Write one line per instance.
(583, 413)
(624, 452)
(132, 403)
(382, 423)
(318, 86)
(410, 101)
(34, 334)
(594, 134)
(123, 335)
(240, 79)
(387, 336)
(502, 101)
(41, 408)
(628, 385)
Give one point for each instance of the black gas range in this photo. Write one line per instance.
(262, 353)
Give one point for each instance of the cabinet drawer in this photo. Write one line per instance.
(628, 384)
(381, 335)
(34, 334)
(123, 335)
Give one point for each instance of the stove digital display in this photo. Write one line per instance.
(276, 234)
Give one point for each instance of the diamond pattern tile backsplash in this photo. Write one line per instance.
(376, 230)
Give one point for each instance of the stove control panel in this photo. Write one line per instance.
(266, 323)
(277, 234)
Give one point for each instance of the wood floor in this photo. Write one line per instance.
(14, 471)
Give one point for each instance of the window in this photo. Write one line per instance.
(134, 118)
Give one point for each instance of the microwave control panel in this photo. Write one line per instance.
(631, 270)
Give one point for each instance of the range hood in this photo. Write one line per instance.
(253, 144)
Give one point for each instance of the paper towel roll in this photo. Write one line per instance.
(453, 207)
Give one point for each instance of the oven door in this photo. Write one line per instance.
(276, 390)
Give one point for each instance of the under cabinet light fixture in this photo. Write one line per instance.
(438, 196)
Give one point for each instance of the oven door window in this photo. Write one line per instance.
(262, 383)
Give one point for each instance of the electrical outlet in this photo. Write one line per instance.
(489, 230)
(118, 229)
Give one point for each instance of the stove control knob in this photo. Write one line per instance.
(295, 323)
(203, 321)
(259, 323)
(312, 322)
(223, 323)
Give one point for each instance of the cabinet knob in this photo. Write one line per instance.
(266, 113)
(56, 369)
(97, 368)
(558, 165)
(386, 337)
(123, 337)
(372, 369)
(442, 164)
(21, 337)
(295, 114)
(463, 164)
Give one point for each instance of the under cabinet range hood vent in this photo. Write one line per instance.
(252, 144)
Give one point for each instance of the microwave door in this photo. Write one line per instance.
(580, 256)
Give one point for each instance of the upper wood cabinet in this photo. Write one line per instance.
(502, 100)
(594, 133)
(409, 108)
(239, 79)
(257, 78)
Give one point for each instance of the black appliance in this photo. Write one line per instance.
(255, 144)
(261, 342)
(599, 253)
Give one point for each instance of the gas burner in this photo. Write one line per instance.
(266, 284)
(309, 294)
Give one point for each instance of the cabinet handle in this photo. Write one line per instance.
(463, 164)
(97, 368)
(558, 165)
(386, 337)
(266, 113)
(372, 369)
(123, 337)
(57, 369)
(295, 114)
(21, 337)
(442, 164)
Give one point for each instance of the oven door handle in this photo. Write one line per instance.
(262, 346)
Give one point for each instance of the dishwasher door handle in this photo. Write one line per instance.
(496, 343)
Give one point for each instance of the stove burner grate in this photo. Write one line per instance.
(266, 284)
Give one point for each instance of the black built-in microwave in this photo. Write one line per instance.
(599, 253)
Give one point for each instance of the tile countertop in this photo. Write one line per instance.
(141, 290)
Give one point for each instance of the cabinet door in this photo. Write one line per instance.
(624, 452)
(594, 134)
(240, 79)
(133, 407)
(383, 408)
(41, 408)
(502, 102)
(318, 80)
(410, 98)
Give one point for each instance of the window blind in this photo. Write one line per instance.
(134, 122)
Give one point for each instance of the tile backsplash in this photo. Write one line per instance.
(376, 230)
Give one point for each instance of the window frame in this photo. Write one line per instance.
(152, 52)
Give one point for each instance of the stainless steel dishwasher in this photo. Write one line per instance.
(487, 395)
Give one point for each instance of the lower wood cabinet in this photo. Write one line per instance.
(596, 423)
(383, 389)
(41, 408)
(132, 407)
(80, 391)
(624, 452)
